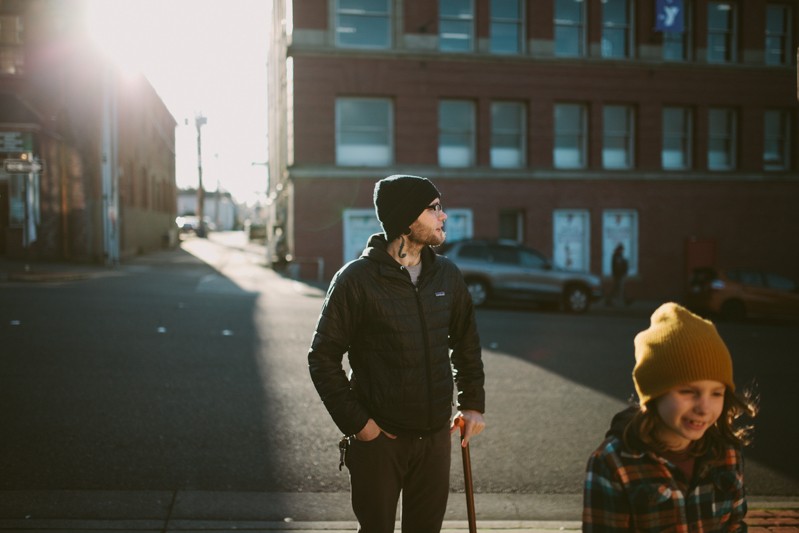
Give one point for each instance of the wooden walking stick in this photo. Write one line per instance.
(467, 479)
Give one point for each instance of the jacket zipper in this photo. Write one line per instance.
(426, 337)
(426, 358)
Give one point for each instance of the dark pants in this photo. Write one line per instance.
(382, 468)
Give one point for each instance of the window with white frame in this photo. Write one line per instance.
(618, 136)
(456, 133)
(570, 28)
(616, 29)
(570, 136)
(620, 227)
(456, 25)
(777, 140)
(360, 224)
(571, 239)
(508, 138)
(364, 132)
(507, 29)
(363, 23)
(721, 32)
(677, 138)
(778, 35)
(721, 151)
(677, 44)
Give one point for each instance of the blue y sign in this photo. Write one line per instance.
(669, 16)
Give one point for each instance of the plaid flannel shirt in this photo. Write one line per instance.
(644, 492)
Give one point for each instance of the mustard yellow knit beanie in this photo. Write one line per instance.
(678, 347)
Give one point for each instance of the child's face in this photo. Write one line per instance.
(688, 411)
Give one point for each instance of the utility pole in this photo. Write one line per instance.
(199, 121)
(109, 168)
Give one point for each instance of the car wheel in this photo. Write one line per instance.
(733, 310)
(479, 291)
(576, 299)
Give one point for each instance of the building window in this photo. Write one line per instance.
(620, 227)
(511, 224)
(507, 35)
(364, 132)
(571, 239)
(456, 131)
(363, 23)
(677, 140)
(570, 28)
(721, 139)
(778, 35)
(360, 224)
(721, 33)
(12, 56)
(677, 44)
(508, 139)
(617, 136)
(570, 136)
(777, 140)
(616, 29)
(456, 25)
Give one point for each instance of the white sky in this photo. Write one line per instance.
(202, 56)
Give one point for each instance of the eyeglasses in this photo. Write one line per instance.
(435, 207)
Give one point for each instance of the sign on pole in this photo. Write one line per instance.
(22, 166)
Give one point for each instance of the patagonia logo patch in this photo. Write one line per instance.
(441, 293)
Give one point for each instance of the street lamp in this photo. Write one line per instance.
(267, 217)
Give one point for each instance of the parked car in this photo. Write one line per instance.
(739, 293)
(187, 223)
(191, 224)
(507, 270)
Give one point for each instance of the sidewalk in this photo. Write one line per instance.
(189, 511)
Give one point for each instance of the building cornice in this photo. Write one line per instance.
(478, 173)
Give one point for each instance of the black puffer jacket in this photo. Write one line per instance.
(398, 338)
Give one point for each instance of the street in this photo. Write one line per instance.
(187, 370)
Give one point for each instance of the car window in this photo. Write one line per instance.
(780, 283)
(473, 251)
(531, 259)
(505, 255)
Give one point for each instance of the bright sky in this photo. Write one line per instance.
(202, 56)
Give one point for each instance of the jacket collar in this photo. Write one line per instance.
(377, 250)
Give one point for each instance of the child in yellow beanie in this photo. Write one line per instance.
(673, 462)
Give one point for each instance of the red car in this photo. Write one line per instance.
(740, 293)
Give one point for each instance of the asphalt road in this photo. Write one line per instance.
(186, 370)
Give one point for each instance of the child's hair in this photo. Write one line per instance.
(640, 432)
(680, 347)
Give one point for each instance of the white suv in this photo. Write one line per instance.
(507, 270)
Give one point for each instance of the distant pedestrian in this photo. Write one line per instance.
(673, 462)
(619, 267)
(404, 317)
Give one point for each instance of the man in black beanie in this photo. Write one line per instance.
(405, 319)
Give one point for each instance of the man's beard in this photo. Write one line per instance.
(427, 238)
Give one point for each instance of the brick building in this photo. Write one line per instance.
(568, 125)
(100, 144)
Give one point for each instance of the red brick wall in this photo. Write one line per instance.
(310, 14)
(421, 17)
(747, 215)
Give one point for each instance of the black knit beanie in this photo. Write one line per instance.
(399, 200)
